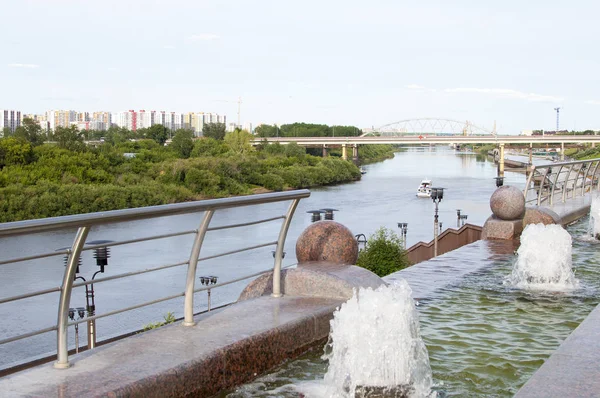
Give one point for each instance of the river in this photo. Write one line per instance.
(383, 197)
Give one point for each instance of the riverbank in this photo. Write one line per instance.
(47, 181)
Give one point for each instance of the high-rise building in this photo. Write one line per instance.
(102, 117)
(9, 119)
(145, 119)
(60, 118)
(127, 120)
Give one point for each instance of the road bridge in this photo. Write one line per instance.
(498, 140)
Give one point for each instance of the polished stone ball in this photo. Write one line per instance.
(327, 241)
(508, 203)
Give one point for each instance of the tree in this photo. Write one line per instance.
(214, 130)
(31, 132)
(383, 253)
(158, 133)
(183, 143)
(266, 130)
(208, 147)
(14, 151)
(7, 132)
(238, 141)
(69, 138)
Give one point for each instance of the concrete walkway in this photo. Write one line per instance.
(225, 348)
(573, 208)
(574, 369)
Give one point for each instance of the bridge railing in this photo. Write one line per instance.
(85, 222)
(556, 182)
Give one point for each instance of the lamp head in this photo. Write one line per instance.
(101, 254)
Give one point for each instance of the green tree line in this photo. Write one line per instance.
(53, 174)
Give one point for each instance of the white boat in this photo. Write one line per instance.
(363, 170)
(424, 190)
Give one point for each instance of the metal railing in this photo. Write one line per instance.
(556, 182)
(84, 222)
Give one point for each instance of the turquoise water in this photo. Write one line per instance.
(484, 338)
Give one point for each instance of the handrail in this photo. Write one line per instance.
(106, 217)
(560, 181)
(85, 222)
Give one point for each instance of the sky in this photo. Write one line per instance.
(363, 63)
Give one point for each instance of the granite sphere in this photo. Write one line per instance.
(508, 203)
(327, 241)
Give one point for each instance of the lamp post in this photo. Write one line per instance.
(101, 254)
(458, 218)
(316, 215)
(463, 217)
(80, 311)
(328, 213)
(403, 229)
(210, 280)
(437, 194)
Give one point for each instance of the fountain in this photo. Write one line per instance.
(544, 260)
(375, 348)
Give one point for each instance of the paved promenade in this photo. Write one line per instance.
(225, 348)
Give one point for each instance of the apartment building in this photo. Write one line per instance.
(9, 119)
(60, 118)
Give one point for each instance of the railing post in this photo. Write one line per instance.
(554, 185)
(564, 195)
(528, 183)
(62, 348)
(279, 250)
(585, 174)
(542, 184)
(188, 305)
(594, 175)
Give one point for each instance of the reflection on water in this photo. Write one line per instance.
(385, 196)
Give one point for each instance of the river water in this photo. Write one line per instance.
(384, 196)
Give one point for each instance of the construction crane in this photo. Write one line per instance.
(557, 113)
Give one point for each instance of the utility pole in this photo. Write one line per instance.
(557, 113)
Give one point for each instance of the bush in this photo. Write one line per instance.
(383, 254)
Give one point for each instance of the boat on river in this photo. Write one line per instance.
(363, 170)
(424, 190)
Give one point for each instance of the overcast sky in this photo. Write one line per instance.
(364, 63)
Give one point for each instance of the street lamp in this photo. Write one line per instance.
(101, 254)
(437, 194)
(458, 218)
(463, 217)
(208, 281)
(403, 229)
(499, 181)
(80, 311)
(328, 213)
(316, 215)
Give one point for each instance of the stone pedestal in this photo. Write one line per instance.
(495, 228)
(508, 207)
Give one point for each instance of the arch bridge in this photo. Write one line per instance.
(431, 125)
